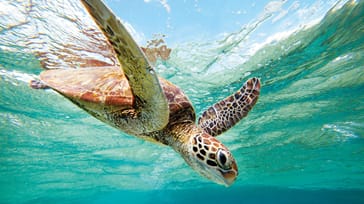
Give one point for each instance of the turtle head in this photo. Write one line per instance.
(212, 159)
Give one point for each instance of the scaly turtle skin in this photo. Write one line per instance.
(132, 98)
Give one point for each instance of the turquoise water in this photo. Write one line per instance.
(302, 143)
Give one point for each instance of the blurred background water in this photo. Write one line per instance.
(302, 143)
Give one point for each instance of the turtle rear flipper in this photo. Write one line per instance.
(226, 113)
(38, 84)
(150, 100)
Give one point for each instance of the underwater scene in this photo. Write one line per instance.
(303, 142)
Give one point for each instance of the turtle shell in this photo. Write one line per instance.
(180, 107)
(108, 88)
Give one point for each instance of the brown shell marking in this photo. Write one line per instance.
(105, 93)
(180, 107)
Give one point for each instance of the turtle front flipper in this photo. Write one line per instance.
(226, 113)
(150, 102)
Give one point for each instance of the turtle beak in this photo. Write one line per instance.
(230, 175)
(229, 178)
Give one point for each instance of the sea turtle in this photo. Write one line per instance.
(132, 98)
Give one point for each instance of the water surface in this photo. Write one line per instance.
(303, 142)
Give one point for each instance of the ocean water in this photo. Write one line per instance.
(302, 143)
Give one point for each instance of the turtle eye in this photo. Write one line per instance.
(223, 159)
